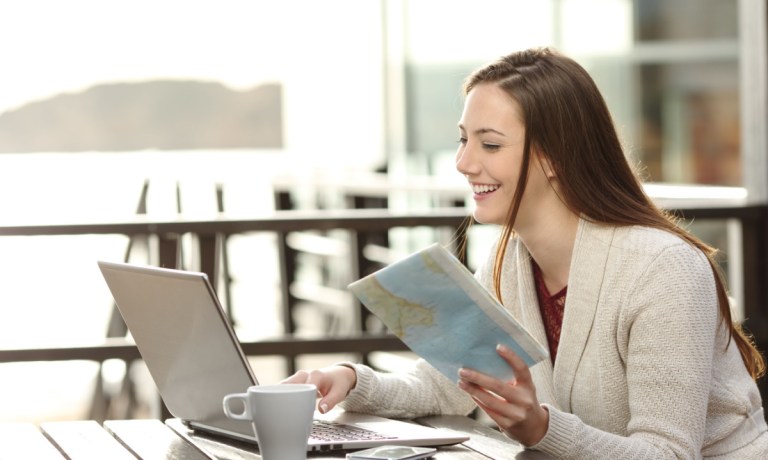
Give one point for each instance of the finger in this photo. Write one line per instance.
(329, 390)
(521, 370)
(302, 377)
(484, 381)
(493, 413)
(339, 386)
(298, 377)
(494, 406)
(505, 415)
(488, 400)
(334, 396)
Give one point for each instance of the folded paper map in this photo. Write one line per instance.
(434, 304)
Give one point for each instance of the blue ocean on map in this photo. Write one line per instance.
(460, 333)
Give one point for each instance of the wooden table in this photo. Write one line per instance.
(153, 439)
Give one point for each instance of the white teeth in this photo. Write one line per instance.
(484, 188)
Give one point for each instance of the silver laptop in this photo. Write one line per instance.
(195, 358)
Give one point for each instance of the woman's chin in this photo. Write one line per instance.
(484, 217)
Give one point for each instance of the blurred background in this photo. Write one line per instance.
(102, 99)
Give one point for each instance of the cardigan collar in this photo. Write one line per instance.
(587, 271)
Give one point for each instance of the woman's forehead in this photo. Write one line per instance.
(488, 107)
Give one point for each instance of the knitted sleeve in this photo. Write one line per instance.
(419, 392)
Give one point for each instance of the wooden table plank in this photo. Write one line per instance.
(85, 440)
(218, 447)
(151, 439)
(224, 449)
(484, 439)
(22, 441)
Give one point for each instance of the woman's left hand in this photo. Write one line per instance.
(513, 404)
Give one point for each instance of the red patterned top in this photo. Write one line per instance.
(552, 310)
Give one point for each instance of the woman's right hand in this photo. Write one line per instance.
(333, 384)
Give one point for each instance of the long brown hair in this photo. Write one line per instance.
(567, 121)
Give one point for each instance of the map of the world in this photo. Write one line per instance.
(437, 308)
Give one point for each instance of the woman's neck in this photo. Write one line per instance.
(550, 242)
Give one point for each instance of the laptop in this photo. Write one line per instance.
(194, 357)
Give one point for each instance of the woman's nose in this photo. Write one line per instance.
(465, 164)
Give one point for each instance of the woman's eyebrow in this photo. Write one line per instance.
(488, 130)
(484, 130)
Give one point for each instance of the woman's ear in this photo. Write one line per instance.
(546, 165)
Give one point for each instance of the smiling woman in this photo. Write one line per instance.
(369, 85)
(632, 306)
(491, 157)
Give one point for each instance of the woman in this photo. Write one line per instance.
(645, 362)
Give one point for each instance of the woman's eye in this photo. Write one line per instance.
(462, 140)
(491, 146)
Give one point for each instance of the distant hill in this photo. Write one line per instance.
(162, 114)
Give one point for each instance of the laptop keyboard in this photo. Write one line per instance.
(328, 431)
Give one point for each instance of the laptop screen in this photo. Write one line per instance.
(185, 339)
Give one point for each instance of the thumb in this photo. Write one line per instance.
(334, 396)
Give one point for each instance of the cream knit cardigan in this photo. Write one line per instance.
(643, 369)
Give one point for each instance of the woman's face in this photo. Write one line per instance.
(490, 154)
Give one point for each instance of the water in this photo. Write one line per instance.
(52, 291)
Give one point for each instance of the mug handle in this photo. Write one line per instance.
(243, 398)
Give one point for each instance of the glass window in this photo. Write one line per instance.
(668, 70)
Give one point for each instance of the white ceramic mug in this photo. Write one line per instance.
(281, 416)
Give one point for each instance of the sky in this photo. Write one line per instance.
(49, 46)
(328, 55)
